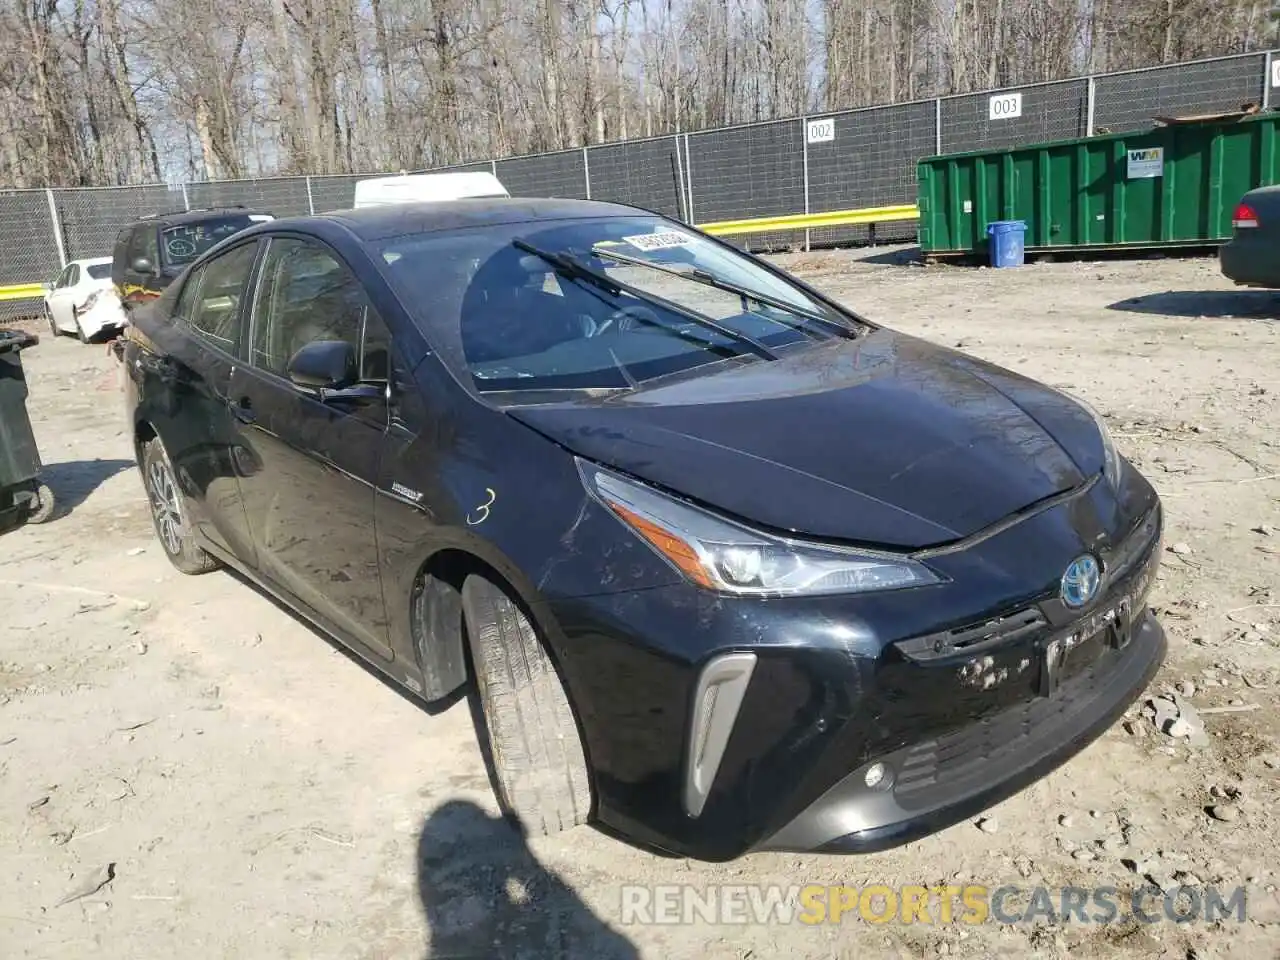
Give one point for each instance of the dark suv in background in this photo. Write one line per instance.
(153, 250)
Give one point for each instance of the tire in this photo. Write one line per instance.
(80, 332)
(45, 505)
(538, 765)
(53, 327)
(169, 513)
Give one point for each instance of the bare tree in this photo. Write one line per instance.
(123, 91)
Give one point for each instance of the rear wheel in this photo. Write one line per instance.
(80, 332)
(538, 764)
(169, 514)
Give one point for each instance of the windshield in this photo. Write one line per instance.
(183, 243)
(99, 271)
(598, 304)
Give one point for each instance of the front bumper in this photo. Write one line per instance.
(942, 780)
(840, 683)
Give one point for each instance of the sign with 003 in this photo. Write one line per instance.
(1004, 106)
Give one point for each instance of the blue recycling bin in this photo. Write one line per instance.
(1006, 242)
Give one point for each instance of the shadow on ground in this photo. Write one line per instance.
(1208, 304)
(363, 661)
(896, 257)
(484, 895)
(73, 481)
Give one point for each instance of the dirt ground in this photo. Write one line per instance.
(257, 793)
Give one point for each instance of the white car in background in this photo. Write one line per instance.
(83, 301)
(426, 187)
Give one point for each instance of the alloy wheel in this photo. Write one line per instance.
(166, 507)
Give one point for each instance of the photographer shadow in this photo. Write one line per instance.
(484, 895)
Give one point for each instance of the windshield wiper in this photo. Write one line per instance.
(708, 279)
(571, 267)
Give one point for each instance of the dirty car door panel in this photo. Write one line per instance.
(311, 505)
(185, 382)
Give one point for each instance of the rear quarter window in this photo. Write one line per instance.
(187, 298)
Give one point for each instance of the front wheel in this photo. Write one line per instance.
(538, 764)
(169, 513)
(53, 326)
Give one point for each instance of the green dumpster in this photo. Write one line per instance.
(1174, 185)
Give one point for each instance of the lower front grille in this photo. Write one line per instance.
(954, 764)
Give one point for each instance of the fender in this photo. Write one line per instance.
(444, 509)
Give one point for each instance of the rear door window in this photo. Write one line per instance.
(212, 297)
(189, 296)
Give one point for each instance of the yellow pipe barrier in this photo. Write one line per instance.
(810, 221)
(22, 291)
(794, 221)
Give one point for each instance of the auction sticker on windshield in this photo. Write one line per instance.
(659, 241)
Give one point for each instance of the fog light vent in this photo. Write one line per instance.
(721, 688)
(704, 722)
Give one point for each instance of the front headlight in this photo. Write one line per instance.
(1110, 458)
(722, 555)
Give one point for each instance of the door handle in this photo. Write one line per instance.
(243, 410)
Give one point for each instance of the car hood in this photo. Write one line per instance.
(884, 440)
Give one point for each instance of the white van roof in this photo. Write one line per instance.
(420, 187)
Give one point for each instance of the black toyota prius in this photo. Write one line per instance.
(729, 567)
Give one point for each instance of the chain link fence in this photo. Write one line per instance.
(283, 196)
(870, 161)
(562, 174)
(855, 159)
(90, 219)
(1125, 101)
(28, 242)
(986, 121)
(643, 173)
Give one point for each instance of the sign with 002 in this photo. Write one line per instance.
(820, 131)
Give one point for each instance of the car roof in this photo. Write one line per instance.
(179, 217)
(394, 220)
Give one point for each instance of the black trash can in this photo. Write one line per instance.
(22, 495)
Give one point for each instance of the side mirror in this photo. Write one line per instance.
(143, 265)
(324, 365)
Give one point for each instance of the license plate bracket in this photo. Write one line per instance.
(1118, 626)
(1121, 627)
